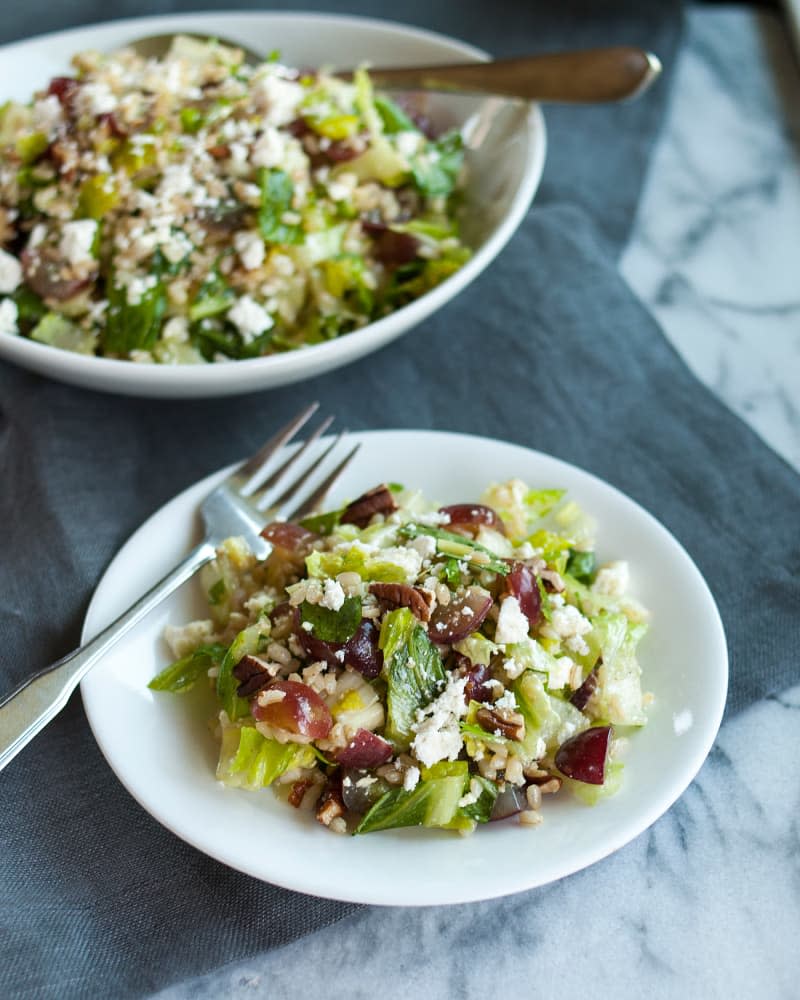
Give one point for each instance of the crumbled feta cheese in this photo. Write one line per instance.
(333, 595)
(567, 622)
(278, 97)
(366, 781)
(407, 143)
(138, 287)
(95, 99)
(176, 330)
(176, 247)
(438, 736)
(512, 625)
(47, 114)
(507, 701)
(472, 796)
(77, 239)
(8, 317)
(10, 273)
(249, 318)
(269, 149)
(411, 779)
(612, 579)
(408, 559)
(250, 247)
(525, 551)
(425, 545)
(559, 672)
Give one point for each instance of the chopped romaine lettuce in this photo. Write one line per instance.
(251, 640)
(413, 671)
(183, 674)
(276, 199)
(329, 625)
(433, 803)
(251, 761)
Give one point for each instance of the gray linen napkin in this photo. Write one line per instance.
(96, 899)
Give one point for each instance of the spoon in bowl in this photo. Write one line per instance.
(588, 76)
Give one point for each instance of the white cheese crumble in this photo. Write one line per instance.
(176, 330)
(506, 701)
(10, 273)
(269, 149)
(278, 97)
(569, 624)
(8, 317)
(425, 545)
(250, 247)
(612, 579)
(407, 143)
(77, 239)
(47, 114)
(333, 595)
(249, 318)
(438, 736)
(95, 99)
(411, 779)
(512, 625)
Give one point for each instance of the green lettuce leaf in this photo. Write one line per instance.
(276, 198)
(413, 671)
(329, 625)
(252, 640)
(433, 803)
(251, 761)
(183, 674)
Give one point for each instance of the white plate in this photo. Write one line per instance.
(161, 748)
(505, 166)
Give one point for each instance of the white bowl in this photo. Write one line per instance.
(161, 748)
(505, 156)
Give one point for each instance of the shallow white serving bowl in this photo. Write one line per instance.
(161, 748)
(506, 150)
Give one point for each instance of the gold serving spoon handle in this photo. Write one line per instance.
(588, 76)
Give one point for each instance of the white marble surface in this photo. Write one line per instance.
(705, 904)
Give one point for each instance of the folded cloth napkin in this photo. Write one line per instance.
(548, 349)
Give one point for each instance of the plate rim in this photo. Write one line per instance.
(126, 377)
(380, 896)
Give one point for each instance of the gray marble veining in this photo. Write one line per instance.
(705, 904)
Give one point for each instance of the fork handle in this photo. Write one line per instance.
(27, 710)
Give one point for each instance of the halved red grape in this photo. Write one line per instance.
(300, 711)
(42, 271)
(581, 696)
(477, 674)
(64, 88)
(583, 757)
(361, 651)
(473, 515)
(365, 749)
(521, 582)
(359, 795)
(318, 649)
(509, 802)
(461, 617)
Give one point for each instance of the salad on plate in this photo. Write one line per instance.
(197, 209)
(395, 663)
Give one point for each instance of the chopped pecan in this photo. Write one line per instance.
(402, 596)
(375, 501)
(553, 582)
(254, 675)
(331, 804)
(299, 789)
(220, 152)
(509, 723)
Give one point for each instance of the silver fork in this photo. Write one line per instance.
(241, 505)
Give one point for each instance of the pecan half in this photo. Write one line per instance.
(509, 724)
(401, 595)
(375, 501)
(331, 804)
(254, 675)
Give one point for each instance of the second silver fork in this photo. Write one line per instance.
(240, 505)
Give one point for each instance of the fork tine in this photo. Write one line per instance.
(279, 473)
(319, 494)
(294, 488)
(255, 465)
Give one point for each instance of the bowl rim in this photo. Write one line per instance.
(114, 374)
